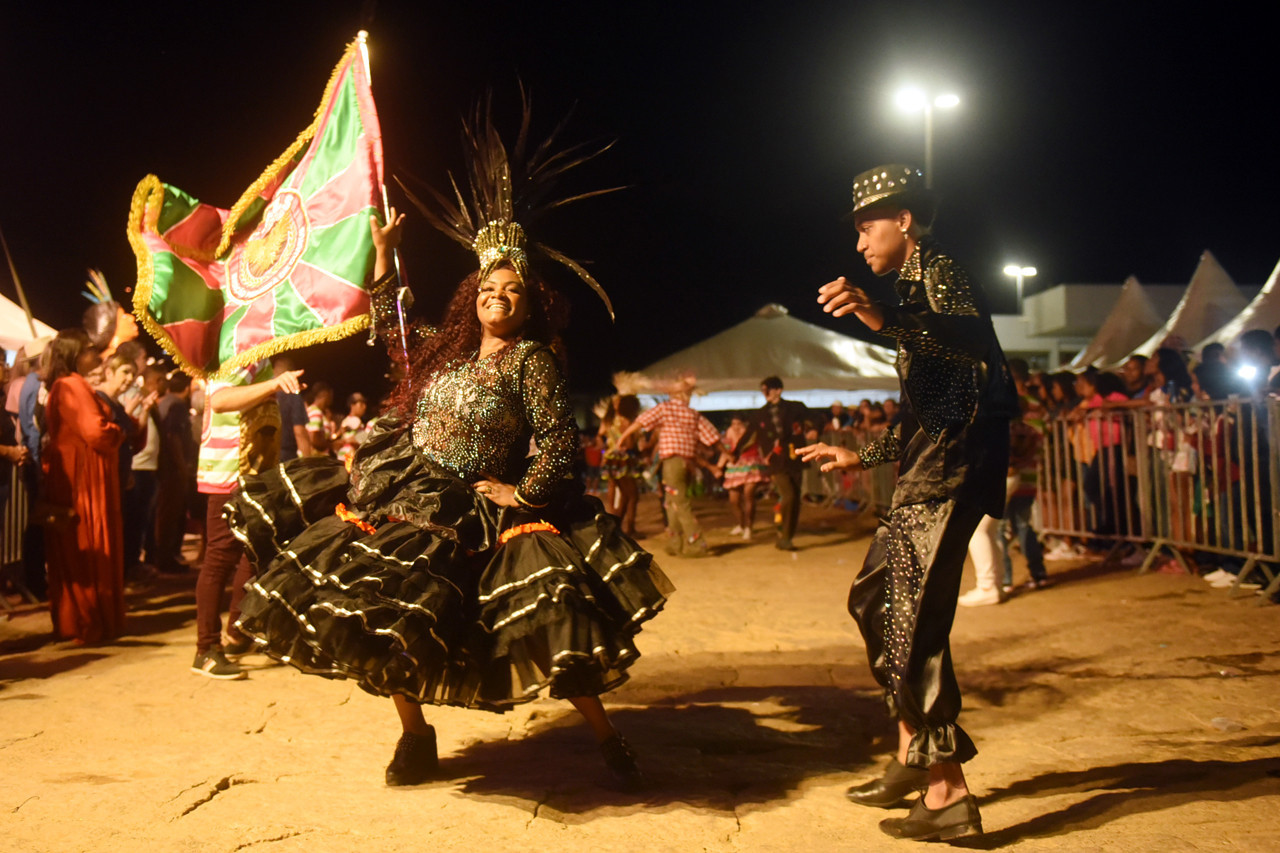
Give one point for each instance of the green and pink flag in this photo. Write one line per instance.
(289, 264)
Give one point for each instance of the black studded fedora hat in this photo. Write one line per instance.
(898, 182)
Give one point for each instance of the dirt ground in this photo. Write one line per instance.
(1113, 711)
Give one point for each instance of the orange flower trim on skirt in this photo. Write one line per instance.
(351, 518)
(510, 533)
(521, 529)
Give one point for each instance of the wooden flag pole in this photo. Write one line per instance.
(404, 296)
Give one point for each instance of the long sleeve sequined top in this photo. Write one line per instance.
(953, 374)
(506, 416)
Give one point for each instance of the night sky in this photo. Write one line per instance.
(1093, 141)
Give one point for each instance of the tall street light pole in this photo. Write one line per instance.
(1017, 272)
(915, 100)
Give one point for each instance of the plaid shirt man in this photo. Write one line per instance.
(680, 429)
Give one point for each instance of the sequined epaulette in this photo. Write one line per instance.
(948, 287)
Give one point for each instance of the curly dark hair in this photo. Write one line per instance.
(459, 335)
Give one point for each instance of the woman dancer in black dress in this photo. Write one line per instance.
(455, 566)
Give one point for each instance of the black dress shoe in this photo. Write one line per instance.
(415, 760)
(925, 824)
(621, 761)
(897, 783)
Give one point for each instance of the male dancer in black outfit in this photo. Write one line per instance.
(952, 446)
(780, 425)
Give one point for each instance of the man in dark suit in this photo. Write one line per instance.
(781, 427)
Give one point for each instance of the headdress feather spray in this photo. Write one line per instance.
(507, 188)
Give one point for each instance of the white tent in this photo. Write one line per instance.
(14, 329)
(1262, 313)
(1132, 320)
(1211, 301)
(812, 362)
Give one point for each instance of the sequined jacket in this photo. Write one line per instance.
(506, 416)
(957, 391)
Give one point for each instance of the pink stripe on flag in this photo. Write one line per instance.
(196, 340)
(333, 299)
(369, 118)
(200, 230)
(339, 83)
(255, 327)
(345, 192)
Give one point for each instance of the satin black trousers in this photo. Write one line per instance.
(904, 601)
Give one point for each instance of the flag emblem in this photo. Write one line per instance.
(268, 257)
(289, 264)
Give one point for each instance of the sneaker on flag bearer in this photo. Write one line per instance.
(290, 264)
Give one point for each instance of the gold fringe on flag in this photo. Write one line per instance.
(273, 171)
(297, 340)
(144, 211)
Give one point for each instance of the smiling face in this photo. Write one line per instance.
(882, 238)
(502, 305)
(115, 381)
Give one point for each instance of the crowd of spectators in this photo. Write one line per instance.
(1167, 451)
(98, 486)
(1183, 441)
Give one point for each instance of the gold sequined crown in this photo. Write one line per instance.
(501, 241)
(884, 182)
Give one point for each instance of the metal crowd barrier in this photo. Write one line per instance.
(13, 523)
(1202, 476)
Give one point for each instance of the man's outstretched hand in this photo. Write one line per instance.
(841, 457)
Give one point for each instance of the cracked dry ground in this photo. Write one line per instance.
(1113, 712)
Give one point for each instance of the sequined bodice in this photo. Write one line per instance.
(506, 416)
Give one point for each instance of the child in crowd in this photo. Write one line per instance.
(351, 432)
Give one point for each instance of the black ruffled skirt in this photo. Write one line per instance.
(401, 577)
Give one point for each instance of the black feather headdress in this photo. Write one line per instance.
(506, 188)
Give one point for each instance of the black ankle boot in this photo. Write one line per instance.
(621, 761)
(415, 760)
(897, 783)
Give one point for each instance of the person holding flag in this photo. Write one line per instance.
(458, 562)
(287, 266)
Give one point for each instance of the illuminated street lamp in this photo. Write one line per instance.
(915, 100)
(1017, 272)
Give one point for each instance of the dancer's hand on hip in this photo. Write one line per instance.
(495, 490)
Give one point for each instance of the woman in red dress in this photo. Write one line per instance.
(83, 530)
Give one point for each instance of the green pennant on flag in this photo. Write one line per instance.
(289, 264)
